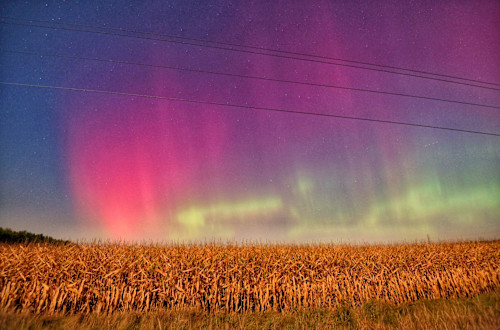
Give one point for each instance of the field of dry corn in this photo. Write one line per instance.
(106, 278)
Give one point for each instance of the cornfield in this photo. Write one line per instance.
(105, 278)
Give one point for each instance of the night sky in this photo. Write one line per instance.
(85, 165)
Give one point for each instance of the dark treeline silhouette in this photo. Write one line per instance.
(9, 236)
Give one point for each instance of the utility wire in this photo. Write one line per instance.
(249, 77)
(248, 107)
(251, 47)
(252, 52)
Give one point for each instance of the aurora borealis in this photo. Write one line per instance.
(87, 165)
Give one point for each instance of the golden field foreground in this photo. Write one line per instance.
(106, 278)
(479, 312)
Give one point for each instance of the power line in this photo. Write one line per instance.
(253, 52)
(248, 107)
(252, 47)
(250, 77)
